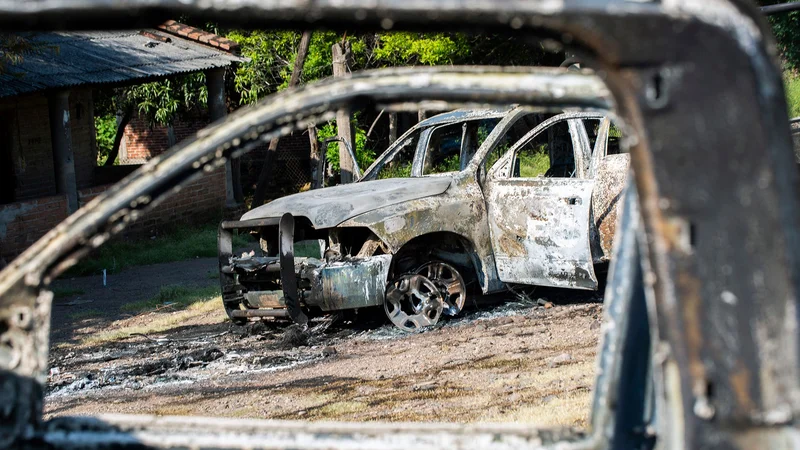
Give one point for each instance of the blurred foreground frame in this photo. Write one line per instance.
(700, 341)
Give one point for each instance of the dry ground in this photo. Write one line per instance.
(504, 362)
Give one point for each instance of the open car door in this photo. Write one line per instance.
(539, 199)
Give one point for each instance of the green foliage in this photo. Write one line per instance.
(161, 101)
(449, 164)
(364, 156)
(534, 164)
(792, 84)
(402, 48)
(395, 169)
(272, 55)
(785, 27)
(178, 245)
(106, 127)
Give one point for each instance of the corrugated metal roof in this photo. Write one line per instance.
(108, 57)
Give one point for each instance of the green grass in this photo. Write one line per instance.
(85, 314)
(209, 310)
(533, 165)
(178, 296)
(178, 245)
(792, 83)
(66, 292)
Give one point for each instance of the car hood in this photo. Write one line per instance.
(328, 207)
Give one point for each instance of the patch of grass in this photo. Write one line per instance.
(178, 245)
(533, 164)
(85, 314)
(792, 84)
(163, 322)
(66, 292)
(177, 295)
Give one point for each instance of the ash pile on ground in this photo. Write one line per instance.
(534, 333)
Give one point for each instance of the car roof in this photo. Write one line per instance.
(465, 114)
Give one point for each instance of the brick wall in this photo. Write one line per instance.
(196, 203)
(23, 223)
(143, 141)
(31, 150)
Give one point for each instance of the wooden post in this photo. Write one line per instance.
(217, 109)
(341, 54)
(392, 128)
(63, 156)
(317, 168)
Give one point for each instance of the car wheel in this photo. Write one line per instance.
(450, 283)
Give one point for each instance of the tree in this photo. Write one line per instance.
(786, 28)
(294, 80)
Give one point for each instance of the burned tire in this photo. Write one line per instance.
(450, 283)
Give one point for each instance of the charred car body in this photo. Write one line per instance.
(489, 197)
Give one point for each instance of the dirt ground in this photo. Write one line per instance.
(507, 360)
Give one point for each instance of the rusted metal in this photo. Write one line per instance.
(610, 177)
(288, 278)
(719, 207)
(351, 284)
(235, 224)
(258, 313)
(265, 299)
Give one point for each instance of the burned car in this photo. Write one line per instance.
(467, 201)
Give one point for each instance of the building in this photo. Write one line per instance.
(48, 148)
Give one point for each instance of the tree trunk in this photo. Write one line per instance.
(422, 115)
(127, 115)
(269, 159)
(317, 166)
(392, 128)
(341, 54)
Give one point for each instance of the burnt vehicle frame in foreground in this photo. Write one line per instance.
(700, 343)
(413, 243)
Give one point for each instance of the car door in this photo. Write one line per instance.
(538, 202)
(610, 167)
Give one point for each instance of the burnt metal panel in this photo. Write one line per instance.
(540, 231)
(357, 283)
(328, 207)
(610, 175)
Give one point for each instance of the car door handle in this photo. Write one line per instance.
(573, 200)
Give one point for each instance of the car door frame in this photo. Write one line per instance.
(524, 254)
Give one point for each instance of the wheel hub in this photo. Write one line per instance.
(413, 302)
(450, 284)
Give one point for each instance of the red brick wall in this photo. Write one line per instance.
(143, 141)
(197, 202)
(31, 149)
(23, 223)
(292, 166)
